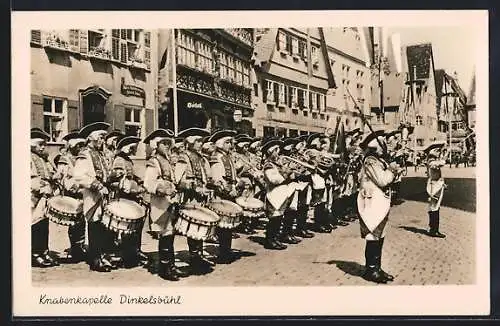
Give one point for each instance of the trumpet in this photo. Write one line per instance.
(306, 165)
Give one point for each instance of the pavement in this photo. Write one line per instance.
(330, 259)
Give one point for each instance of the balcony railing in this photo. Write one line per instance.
(55, 42)
(241, 34)
(100, 53)
(138, 62)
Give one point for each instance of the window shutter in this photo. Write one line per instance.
(123, 34)
(276, 92)
(264, 91)
(115, 48)
(115, 33)
(36, 36)
(74, 40)
(123, 53)
(289, 97)
(84, 41)
(147, 49)
(289, 43)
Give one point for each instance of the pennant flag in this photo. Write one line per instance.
(165, 56)
(371, 36)
(340, 145)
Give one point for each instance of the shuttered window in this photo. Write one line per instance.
(36, 36)
(123, 53)
(74, 39)
(115, 48)
(84, 41)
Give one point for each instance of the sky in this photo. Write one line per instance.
(454, 48)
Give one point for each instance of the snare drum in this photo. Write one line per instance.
(252, 207)
(229, 212)
(123, 216)
(196, 222)
(64, 210)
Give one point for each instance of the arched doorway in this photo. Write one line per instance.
(94, 100)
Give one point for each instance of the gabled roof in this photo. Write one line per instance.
(420, 58)
(264, 46)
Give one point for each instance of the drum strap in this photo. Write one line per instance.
(228, 167)
(165, 167)
(100, 165)
(43, 168)
(197, 165)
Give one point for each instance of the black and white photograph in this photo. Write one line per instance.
(278, 156)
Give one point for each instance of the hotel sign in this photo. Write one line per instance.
(194, 105)
(131, 90)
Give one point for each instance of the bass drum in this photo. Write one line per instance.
(252, 207)
(196, 222)
(64, 210)
(229, 212)
(123, 216)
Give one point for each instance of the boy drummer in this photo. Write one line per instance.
(160, 182)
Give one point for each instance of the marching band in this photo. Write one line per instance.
(212, 187)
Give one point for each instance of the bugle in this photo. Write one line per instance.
(306, 165)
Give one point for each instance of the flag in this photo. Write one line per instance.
(371, 37)
(333, 137)
(165, 56)
(340, 145)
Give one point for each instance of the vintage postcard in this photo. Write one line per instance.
(250, 163)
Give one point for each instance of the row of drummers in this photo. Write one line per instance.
(201, 185)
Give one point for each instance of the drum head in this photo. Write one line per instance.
(250, 203)
(126, 209)
(225, 206)
(65, 204)
(200, 214)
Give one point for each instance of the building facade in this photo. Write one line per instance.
(419, 107)
(301, 80)
(452, 110)
(212, 78)
(350, 63)
(393, 95)
(471, 104)
(80, 76)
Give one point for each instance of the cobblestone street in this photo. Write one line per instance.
(327, 259)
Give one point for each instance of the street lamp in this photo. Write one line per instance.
(237, 116)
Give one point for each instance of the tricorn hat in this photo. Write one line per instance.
(37, 133)
(159, 133)
(368, 141)
(192, 134)
(87, 130)
(271, 143)
(289, 144)
(115, 133)
(434, 145)
(127, 141)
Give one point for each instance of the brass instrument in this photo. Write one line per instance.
(306, 165)
(249, 164)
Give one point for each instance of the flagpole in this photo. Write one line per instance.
(380, 79)
(449, 117)
(309, 58)
(174, 83)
